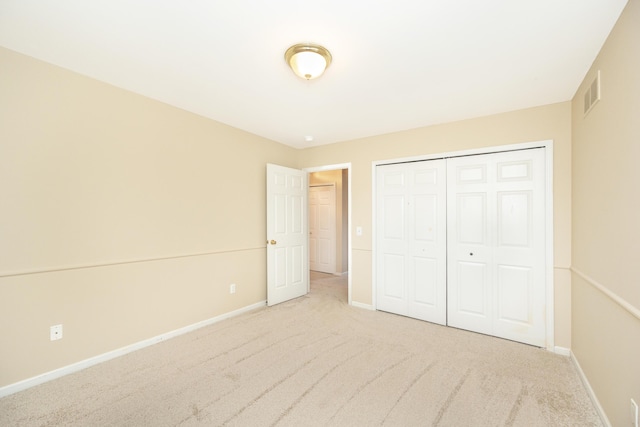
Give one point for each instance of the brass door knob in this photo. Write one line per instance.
(273, 242)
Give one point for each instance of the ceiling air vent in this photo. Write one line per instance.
(592, 95)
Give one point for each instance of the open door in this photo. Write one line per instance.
(287, 234)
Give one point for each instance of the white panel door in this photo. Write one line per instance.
(322, 228)
(496, 244)
(411, 240)
(287, 254)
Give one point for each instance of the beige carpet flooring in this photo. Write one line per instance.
(316, 361)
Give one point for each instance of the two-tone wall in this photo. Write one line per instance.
(121, 218)
(606, 223)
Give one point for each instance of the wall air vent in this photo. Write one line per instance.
(592, 94)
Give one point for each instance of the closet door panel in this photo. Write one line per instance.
(473, 291)
(470, 305)
(411, 226)
(496, 248)
(513, 289)
(427, 242)
(392, 296)
(425, 270)
(520, 247)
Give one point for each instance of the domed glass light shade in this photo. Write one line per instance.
(308, 60)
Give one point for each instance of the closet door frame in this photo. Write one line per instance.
(549, 264)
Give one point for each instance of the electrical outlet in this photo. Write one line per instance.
(634, 413)
(232, 288)
(56, 332)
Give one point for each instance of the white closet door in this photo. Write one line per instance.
(411, 240)
(496, 247)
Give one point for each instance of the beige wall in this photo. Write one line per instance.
(338, 178)
(606, 230)
(550, 122)
(121, 217)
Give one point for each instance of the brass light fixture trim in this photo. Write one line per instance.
(299, 67)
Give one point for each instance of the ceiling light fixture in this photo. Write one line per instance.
(308, 60)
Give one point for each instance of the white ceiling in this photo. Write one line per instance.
(397, 64)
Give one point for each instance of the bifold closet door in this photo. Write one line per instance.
(496, 244)
(411, 240)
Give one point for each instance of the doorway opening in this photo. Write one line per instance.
(330, 222)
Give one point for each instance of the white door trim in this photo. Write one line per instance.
(549, 265)
(341, 166)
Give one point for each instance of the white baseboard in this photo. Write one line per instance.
(83, 364)
(590, 392)
(562, 351)
(361, 305)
